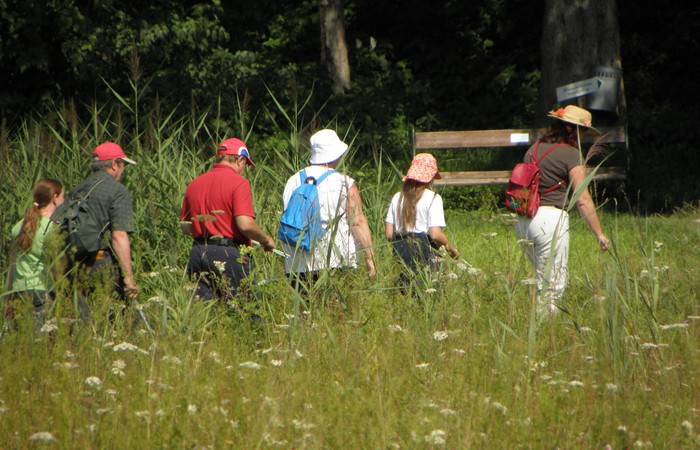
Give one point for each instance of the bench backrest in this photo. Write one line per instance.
(434, 140)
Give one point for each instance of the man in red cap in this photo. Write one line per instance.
(111, 203)
(218, 213)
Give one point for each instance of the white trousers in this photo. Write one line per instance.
(545, 240)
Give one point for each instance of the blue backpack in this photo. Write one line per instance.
(301, 225)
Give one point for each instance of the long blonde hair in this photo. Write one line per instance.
(44, 191)
(411, 193)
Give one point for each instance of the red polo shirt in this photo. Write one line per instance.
(214, 199)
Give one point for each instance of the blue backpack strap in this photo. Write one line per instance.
(323, 177)
(302, 175)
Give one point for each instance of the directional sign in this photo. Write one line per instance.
(579, 88)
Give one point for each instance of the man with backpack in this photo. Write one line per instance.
(217, 212)
(104, 204)
(326, 209)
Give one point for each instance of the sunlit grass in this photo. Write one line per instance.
(358, 364)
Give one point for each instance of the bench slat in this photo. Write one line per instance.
(476, 178)
(503, 138)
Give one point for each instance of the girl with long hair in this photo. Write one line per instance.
(415, 220)
(29, 274)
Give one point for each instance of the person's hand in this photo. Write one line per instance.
(268, 245)
(455, 253)
(130, 288)
(370, 267)
(603, 242)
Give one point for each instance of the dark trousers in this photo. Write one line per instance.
(40, 300)
(218, 269)
(415, 252)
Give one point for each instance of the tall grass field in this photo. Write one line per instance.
(457, 361)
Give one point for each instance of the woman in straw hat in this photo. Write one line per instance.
(347, 230)
(545, 237)
(416, 218)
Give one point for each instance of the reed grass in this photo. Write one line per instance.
(456, 362)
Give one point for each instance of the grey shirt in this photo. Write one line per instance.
(554, 168)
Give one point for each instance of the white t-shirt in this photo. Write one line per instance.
(333, 194)
(429, 213)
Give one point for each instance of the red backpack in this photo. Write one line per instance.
(522, 194)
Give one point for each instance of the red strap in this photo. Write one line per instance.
(533, 157)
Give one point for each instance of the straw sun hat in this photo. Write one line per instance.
(574, 115)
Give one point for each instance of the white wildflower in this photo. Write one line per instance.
(649, 345)
(448, 412)
(436, 437)
(687, 426)
(500, 408)
(395, 328)
(298, 353)
(173, 269)
(42, 436)
(155, 299)
(142, 414)
(671, 326)
(489, 235)
(440, 335)
(474, 271)
(622, 429)
(127, 347)
(49, 327)
(276, 362)
(119, 364)
(283, 326)
(152, 274)
(585, 329)
(612, 387)
(576, 383)
(220, 266)
(459, 351)
(657, 246)
(430, 291)
(693, 317)
(171, 360)
(422, 366)
(191, 409)
(462, 266)
(93, 382)
(452, 276)
(301, 425)
(103, 411)
(644, 274)
(215, 357)
(250, 365)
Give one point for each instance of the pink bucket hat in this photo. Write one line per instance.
(423, 169)
(109, 150)
(237, 147)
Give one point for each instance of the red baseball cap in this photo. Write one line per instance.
(236, 147)
(109, 150)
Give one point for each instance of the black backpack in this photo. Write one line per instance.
(78, 221)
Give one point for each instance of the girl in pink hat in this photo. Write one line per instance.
(416, 218)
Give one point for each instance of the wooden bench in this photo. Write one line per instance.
(518, 139)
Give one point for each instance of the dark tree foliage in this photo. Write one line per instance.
(430, 65)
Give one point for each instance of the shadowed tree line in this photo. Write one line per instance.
(428, 65)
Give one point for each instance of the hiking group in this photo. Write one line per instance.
(323, 225)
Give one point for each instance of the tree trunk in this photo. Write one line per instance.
(578, 36)
(334, 51)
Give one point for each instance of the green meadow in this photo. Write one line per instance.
(458, 361)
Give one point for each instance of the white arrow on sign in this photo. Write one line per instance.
(579, 88)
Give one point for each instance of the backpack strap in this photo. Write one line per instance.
(318, 180)
(537, 161)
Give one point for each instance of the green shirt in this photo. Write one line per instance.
(31, 270)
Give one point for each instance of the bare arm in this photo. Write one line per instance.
(389, 231)
(437, 235)
(360, 227)
(250, 229)
(586, 208)
(122, 250)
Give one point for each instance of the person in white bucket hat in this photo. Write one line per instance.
(545, 237)
(341, 211)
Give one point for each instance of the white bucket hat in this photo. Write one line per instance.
(326, 147)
